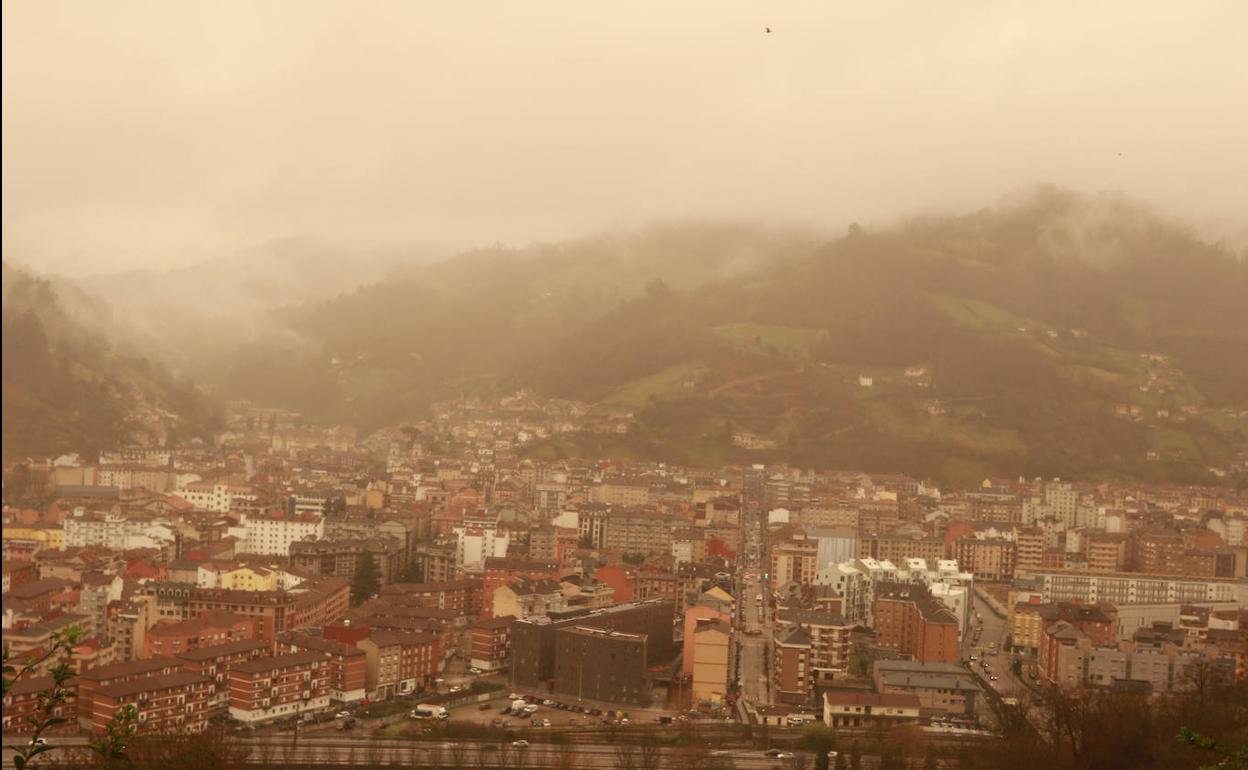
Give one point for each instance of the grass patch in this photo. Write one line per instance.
(788, 341)
(666, 383)
(978, 314)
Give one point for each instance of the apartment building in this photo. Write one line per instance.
(23, 701)
(943, 689)
(214, 664)
(794, 561)
(176, 702)
(273, 534)
(93, 680)
(1131, 588)
(711, 661)
(399, 662)
(533, 640)
(599, 664)
(1028, 620)
(792, 674)
(463, 596)
(265, 689)
(341, 557)
(206, 630)
(348, 665)
(828, 635)
(526, 598)
(637, 531)
(988, 558)
(907, 618)
(490, 643)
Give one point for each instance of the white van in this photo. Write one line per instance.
(429, 711)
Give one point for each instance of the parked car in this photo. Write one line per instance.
(520, 743)
(484, 707)
(342, 715)
(474, 670)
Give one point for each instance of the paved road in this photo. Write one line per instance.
(993, 631)
(407, 753)
(755, 648)
(373, 751)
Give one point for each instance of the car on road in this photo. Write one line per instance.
(475, 670)
(720, 753)
(484, 707)
(342, 715)
(456, 688)
(520, 743)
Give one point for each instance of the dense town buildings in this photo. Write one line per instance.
(223, 574)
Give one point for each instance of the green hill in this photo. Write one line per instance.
(1056, 334)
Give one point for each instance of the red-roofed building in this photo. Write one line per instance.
(22, 702)
(619, 580)
(207, 630)
(143, 569)
(265, 689)
(490, 643)
(170, 703)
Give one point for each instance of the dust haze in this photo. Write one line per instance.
(144, 135)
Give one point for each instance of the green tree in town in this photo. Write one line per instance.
(50, 700)
(1233, 757)
(367, 580)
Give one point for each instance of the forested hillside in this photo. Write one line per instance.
(1050, 334)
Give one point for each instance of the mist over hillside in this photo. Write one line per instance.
(196, 316)
(67, 390)
(1047, 333)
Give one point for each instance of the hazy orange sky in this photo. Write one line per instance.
(156, 134)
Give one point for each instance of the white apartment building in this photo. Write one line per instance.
(219, 498)
(114, 530)
(272, 535)
(475, 544)
(854, 581)
(1131, 588)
